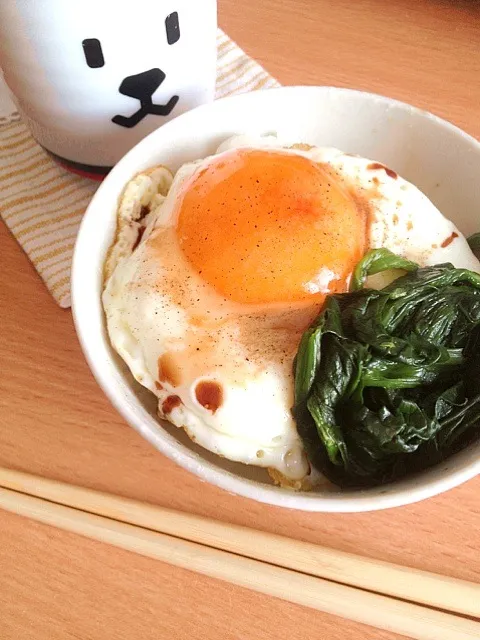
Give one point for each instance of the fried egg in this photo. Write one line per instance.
(216, 272)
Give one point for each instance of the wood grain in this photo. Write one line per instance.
(54, 420)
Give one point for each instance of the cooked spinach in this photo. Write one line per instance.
(388, 382)
(377, 261)
(474, 242)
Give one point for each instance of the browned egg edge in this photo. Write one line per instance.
(121, 224)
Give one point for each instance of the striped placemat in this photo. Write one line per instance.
(42, 204)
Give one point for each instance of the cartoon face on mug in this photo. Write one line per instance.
(94, 79)
(140, 86)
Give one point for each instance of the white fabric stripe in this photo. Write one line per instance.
(43, 170)
(37, 228)
(30, 244)
(21, 159)
(44, 201)
(64, 249)
(54, 270)
(71, 201)
(44, 183)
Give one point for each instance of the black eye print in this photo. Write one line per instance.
(173, 28)
(93, 53)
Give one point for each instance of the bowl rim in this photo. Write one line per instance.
(134, 413)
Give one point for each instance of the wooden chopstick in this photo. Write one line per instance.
(423, 587)
(379, 611)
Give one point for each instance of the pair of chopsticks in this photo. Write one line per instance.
(399, 599)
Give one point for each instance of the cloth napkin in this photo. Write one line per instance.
(42, 204)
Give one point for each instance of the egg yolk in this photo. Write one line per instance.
(267, 227)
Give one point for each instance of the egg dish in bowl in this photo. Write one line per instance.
(288, 305)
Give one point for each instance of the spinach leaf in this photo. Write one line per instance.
(474, 243)
(388, 382)
(375, 261)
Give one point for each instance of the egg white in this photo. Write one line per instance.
(145, 321)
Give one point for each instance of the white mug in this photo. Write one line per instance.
(93, 77)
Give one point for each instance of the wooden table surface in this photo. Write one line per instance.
(55, 421)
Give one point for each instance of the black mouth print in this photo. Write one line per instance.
(142, 86)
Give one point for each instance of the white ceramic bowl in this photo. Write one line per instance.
(439, 158)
